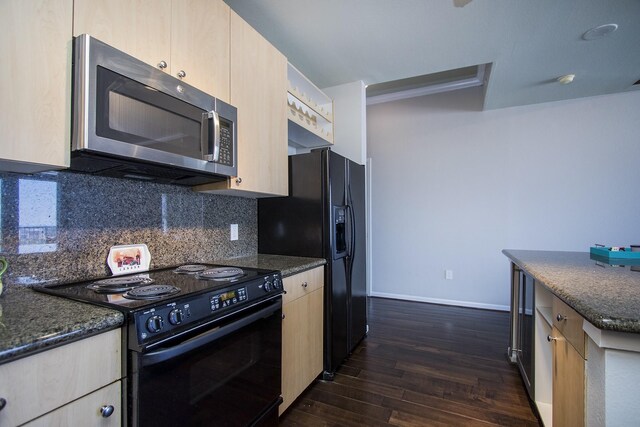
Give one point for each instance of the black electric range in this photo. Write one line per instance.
(162, 303)
(204, 343)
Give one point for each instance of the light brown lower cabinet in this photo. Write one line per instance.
(87, 411)
(569, 357)
(568, 383)
(302, 332)
(584, 375)
(67, 385)
(560, 362)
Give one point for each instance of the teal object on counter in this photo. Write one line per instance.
(609, 254)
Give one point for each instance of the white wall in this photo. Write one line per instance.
(452, 186)
(349, 120)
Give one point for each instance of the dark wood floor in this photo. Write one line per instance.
(421, 365)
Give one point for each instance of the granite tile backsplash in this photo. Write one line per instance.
(58, 226)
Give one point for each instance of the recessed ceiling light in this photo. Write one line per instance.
(566, 79)
(599, 31)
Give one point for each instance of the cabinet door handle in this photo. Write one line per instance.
(3, 403)
(238, 180)
(181, 74)
(304, 284)
(162, 65)
(561, 317)
(550, 338)
(106, 411)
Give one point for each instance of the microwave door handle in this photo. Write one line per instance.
(204, 138)
(210, 131)
(216, 136)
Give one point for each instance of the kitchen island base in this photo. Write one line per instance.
(583, 374)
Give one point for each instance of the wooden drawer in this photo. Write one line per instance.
(38, 384)
(86, 410)
(302, 284)
(569, 323)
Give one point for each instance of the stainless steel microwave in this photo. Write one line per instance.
(132, 120)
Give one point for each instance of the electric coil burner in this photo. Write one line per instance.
(221, 273)
(151, 292)
(204, 343)
(190, 269)
(117, 285)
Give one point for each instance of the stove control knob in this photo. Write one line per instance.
(277, 283)
(176, 316)
(155, 324)
(267, 286)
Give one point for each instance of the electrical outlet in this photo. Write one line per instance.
(448, 274)
(234, 231)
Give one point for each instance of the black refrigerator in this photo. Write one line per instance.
(324, 217)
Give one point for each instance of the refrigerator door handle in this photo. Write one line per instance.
(352, 232)
(352, 223)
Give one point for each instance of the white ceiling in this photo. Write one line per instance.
(529, 43)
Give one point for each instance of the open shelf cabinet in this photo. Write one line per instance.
(310, 112)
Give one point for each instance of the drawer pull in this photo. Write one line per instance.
(561, 317)
(304, 284)
(3, 403)
(550, 338)
(106, 411)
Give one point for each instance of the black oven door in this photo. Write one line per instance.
(229, 375)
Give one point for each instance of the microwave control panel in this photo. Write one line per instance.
(226, 144)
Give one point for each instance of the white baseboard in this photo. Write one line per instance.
(441, 301)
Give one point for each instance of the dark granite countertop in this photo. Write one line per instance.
(31, 321)
(607, 296)
(288, 265)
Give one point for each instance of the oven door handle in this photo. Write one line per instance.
(165, 354)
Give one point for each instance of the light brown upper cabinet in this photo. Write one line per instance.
(186, 38)
(35, 106)
(258, 85)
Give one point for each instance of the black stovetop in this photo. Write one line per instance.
(188, 284)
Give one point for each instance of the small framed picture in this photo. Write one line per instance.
(126, 259)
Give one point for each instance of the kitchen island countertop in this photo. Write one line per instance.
(606, 296)
(31, 321)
